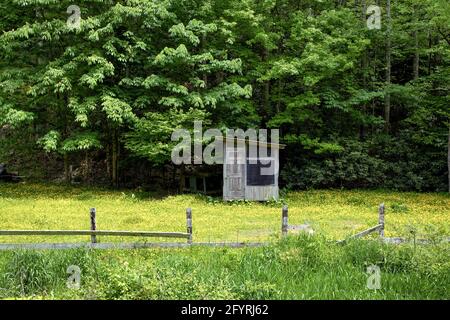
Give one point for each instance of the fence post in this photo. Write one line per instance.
(189, 223)
(93, 225)
(284, 221)
(381, 219)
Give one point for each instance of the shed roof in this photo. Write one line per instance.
(261, 143)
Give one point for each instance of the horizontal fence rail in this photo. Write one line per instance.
(130, 245)
(364, 233)
(94, 233)
(368, 231)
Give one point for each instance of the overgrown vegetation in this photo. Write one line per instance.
(298, 268)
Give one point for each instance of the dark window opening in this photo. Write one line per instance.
(255, 176)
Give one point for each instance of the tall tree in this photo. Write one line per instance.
(387, 102)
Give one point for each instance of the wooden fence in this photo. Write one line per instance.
(285, 227)
(93, 232)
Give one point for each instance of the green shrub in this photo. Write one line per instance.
(382, 162)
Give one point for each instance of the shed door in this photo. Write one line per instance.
(235, 174)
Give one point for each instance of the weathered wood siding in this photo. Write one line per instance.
(234, 175)
(265, 193)
(235, 179)
(261, 193)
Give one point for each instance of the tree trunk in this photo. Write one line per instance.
(114, 159)
(430, 45)
(266, 103)
(280, 89)
(108, 161)
(66, 168)
(416, 47)
(387, 100)
(205, 75)
(87, 168)
(365, 66)
(416, 55)
(182, 178)
(448, 158)
(267, 97)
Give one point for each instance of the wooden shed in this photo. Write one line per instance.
(250, 175)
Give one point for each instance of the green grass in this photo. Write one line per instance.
(298, 268)
(334, 214)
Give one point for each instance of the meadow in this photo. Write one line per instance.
(299, 267)
(334, 214)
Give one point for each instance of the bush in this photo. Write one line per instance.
(384, 162)
(355, 167)
(299, 267)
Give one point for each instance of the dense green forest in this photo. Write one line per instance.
(356, 107)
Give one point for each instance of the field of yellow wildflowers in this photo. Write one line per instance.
(334, 214)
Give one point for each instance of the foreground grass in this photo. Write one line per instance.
(296, 268)
(334, 214)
